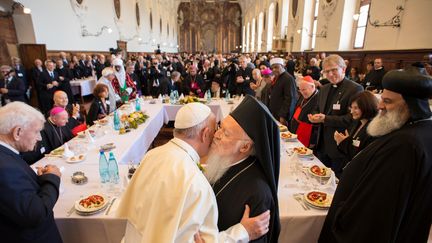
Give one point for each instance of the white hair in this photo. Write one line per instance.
(18, 114)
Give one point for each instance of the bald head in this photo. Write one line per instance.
(60, 99)
(306, 88)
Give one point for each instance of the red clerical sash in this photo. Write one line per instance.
(304, 130)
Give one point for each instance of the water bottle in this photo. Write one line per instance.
(227, 95)
(103, 168)
(116, 121)
(176, 95)
(208, 96)
(172, 97)
(113, 169)
(137, 104)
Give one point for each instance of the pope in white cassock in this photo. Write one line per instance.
(169, 199)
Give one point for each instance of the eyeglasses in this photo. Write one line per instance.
(332, 70)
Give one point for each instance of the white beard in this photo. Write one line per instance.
(383, 124)
(216, 166)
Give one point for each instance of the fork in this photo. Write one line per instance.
(70, 211)
(299, 199)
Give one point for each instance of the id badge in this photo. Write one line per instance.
(368, 83)
(356, 143)
(336, 107)
(168, 74)
(20, 75)
(205, 76)
(42, 150)
(247, 78)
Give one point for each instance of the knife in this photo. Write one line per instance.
(109, 206)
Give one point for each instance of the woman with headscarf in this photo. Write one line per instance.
(122, 83)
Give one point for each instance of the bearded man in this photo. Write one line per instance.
(384, 194)
(243, 166)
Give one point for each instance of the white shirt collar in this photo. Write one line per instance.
(188, 148)
(9, 147)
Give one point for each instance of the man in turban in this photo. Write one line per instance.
(122, 83)
(243, 166)
(384, 194)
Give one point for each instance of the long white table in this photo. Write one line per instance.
(298, 225)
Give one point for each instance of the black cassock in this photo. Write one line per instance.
(54, 137)
(385, 192)
(248, 187)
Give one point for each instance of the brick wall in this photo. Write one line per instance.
(7, 36)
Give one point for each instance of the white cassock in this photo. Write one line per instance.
(170, 200)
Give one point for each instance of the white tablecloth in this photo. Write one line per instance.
(298, 225)
(83, 86)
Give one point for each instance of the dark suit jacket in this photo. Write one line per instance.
(27, 202)
(96, 109)
(16, 90)
(166, 86)
(347, 146)
(187, 85)
(244, 88)
(335, 119)
(34, 75)
(283, 97)
(45, 94)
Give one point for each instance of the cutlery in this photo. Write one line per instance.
(299, 199)
(110, 205)
(70, 211)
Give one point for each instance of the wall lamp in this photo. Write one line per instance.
(322, 34)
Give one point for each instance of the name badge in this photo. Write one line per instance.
(356, 143)
(107, 102)
(205, 76)
(336, 107)
(20, 75)
(42, 150)
(168, 74)
(247, 78)
(368, 83)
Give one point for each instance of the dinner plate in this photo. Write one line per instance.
(316, 167)
(89, 211)
(319, 203)
(287, 136)
(282, 128)
(308, 152)
(76, 159)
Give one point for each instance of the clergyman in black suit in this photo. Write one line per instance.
(47, 83)
(333, 112)
(27, 198)
(65, 76)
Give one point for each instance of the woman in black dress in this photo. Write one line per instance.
(100, 106)
(364, 107)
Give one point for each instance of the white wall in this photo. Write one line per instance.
(56, 23)
(414, 32)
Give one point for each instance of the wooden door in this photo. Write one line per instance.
(28, 53)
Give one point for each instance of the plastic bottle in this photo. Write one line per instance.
(116, 121)
(103, 168)
(113, 169)
(137, 104)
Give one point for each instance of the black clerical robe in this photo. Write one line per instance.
(250, 187)
(384, 194)
(54, 136)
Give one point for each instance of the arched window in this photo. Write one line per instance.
(248, 37)
(270, 23)
(260, 31)
(243, 47)
(315, 24)
(252, 42)
(362, 19)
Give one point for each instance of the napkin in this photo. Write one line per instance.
(67, 152)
